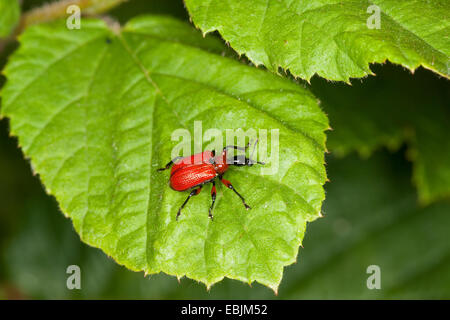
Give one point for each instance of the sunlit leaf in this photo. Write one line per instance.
(335, 39)
(390, 110)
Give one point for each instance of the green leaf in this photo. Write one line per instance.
(430, 151)
(392, 109)
(331, 38)
(94, 109)
(9, 16)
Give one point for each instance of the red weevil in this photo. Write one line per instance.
(192, 172)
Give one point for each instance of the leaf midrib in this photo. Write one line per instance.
(147, 75)
(153, 83)
(225, 92)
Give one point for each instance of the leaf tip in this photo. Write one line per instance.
(275, 289)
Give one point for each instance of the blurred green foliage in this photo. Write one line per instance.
(391, 109)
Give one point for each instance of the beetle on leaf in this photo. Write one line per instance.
(192, 172)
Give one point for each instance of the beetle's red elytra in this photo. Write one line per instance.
(193, 172)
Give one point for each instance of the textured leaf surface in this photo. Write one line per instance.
(389, 110)
(95, 110)
(371, 214)
(9, 16)
(330, 37)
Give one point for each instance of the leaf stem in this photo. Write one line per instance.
(57, 10)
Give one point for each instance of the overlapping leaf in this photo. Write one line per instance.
(331, 38)
(95, 108)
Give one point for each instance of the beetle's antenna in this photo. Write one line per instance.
(251, 155)
(254, 148)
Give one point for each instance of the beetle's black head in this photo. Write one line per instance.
(241, 160)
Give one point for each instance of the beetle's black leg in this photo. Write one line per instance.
(170, 163)
(244, 161)
(193, 193)
(213, 197)
(237, 148)
(230, 186)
